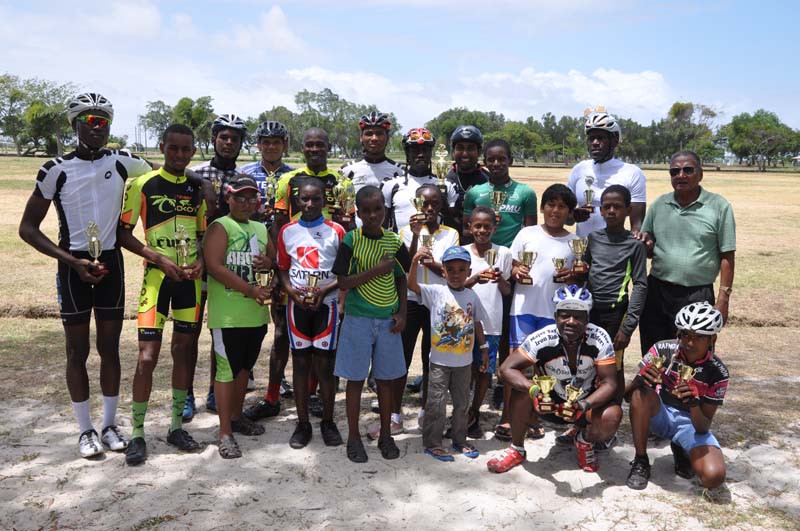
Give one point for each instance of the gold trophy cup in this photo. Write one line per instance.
(264, 279)
(685, 373)
(182, 245)
(441, 166)
(588, 193)
(95, 246)
(419, 216)
(491, 259)
(658, 363)
(312, 285)
(344, 196)
(568, 410)
(546, 384)
(425, 240)
(527, 258)
(578, 247)
(558, 264)
(498, 200)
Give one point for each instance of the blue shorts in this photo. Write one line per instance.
(521, 326)
(477, 357)
(364, 340)
(674, 424)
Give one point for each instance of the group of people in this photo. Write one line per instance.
(352, 265)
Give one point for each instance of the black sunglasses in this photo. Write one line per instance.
(687, 170)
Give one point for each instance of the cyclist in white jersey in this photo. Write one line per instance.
(375, 167)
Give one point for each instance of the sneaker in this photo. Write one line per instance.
(388, 448)
(415, 385)
(587, 459)
(114, 439)
(286, 389)
(136, 452)
(607, 445)
(683, 466)
(251, 382)
(301, 436)
(567, 439)
(211, 401)
(228, 448)
(395, 428)
(505, 460)
(262, 410)
(330, 433)
(315, 406)
(639, 474)
(188, 408)
(245, 426)
(356, 451)
(89, 444)
(181, 439)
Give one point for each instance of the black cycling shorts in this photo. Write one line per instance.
(77, 298)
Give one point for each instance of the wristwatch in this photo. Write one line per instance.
(726, 289)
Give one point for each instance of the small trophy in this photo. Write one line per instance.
(568, 410)
(344, 196)
(527, 258)
(491, 259)
(658, 362)
(420, 216)
(182, 245)
(312, 283)
(498, 200)
(425, 240)
(546, 384)
(578, 247)
(558, 264)
(441, 167)
(685, 373)
(588, 193)
(264, 279)
(95, 247)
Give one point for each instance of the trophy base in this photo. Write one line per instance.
(580, 269)
(498, 219)
(419, 217)
(547, 407)
(555, 279)
(527, 281)
(426, 261)
(346, 219)
(590, 208)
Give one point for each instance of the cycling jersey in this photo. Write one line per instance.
(544, 349)
(219, 178)
(362, 172)
(164, 201)
(286, 197)
(88, 190)
(257, 171)
(399, 192)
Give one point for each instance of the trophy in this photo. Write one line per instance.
(658, 362)
(578, 247)
(95, 246)
(420, 215)
(685, 373)
(344, 197)
(498, 200)
(527, 258)
(568, 409)
(546, 384)
(182, 245)
(312, 283)
(559, 264)
(425, 240)
(264, 279)
(441, 167)
(491, 259)
(588, 193)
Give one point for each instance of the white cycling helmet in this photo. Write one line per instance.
(604, 121)
(700, 318)
(88, 101)
(229, 121)
(573, 298)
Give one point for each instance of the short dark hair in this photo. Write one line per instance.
(368, 192)
(498, 142)
(180, 129)
(686, 153)
(482, 209)
(618, 189)
(311, 181)
(559, 191)
(429, 186)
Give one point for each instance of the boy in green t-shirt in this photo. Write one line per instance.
(371, 264)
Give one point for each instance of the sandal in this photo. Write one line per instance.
(247, 427)
(229, 448)
(356, 451)
(440, 454)
(467, 450)
(502, 432)
(535, 432)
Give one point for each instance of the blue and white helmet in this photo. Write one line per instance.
(700, 318)
(89, 101)
(573, 298)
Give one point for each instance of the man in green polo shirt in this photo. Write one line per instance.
(691, 235)
(518, 207)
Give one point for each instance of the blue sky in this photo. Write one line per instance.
(519, 57)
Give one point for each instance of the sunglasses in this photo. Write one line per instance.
(92, 120)
(246, 200)
(687, 170)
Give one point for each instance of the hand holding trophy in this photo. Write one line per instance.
(491, 259)
(685, 374)
(182, 246)
(558, 264)
(419, 216)
(578, 247)
(264, 280)
(527, 258)
(546, 385)
(568, 410)
(312, 287)
(588, 193)
(95, 248)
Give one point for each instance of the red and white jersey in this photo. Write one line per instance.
(306, 247)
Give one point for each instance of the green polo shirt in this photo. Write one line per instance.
(689, 240)
(521, 202)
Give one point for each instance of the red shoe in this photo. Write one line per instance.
(587, 459)
(505, 461)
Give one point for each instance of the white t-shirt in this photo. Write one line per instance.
(453, 318)
(489, 293)
(613, 171)
(398, 193)
(363, 173)
(441, 240)
(537, 298)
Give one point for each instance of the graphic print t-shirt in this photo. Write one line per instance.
(453, 317)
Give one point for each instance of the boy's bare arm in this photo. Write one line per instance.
(413, 284)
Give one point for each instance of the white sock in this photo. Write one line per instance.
(396, 418)
(83, 415)
(520, 449)
(110, 410)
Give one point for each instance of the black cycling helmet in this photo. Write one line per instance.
(467, 133)
(375, 119)
(271, 128)
(229, 121)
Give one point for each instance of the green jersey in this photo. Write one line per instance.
(519, 201)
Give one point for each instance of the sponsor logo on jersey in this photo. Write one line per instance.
(308, 256)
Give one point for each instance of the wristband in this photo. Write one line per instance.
(484, 346)
(533, 391)
(692, 402)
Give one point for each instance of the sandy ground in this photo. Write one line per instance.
(43, 485)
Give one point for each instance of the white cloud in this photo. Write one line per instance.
(271, 33)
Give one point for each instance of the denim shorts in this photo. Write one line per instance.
(364, 341)
(674, 424)
(521, 326)
(477, 357)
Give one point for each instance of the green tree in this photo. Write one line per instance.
(445, 123)
(523, 141)
(156, 119)
(197, 115)
(759, 138)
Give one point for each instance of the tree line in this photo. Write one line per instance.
(32, 117)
